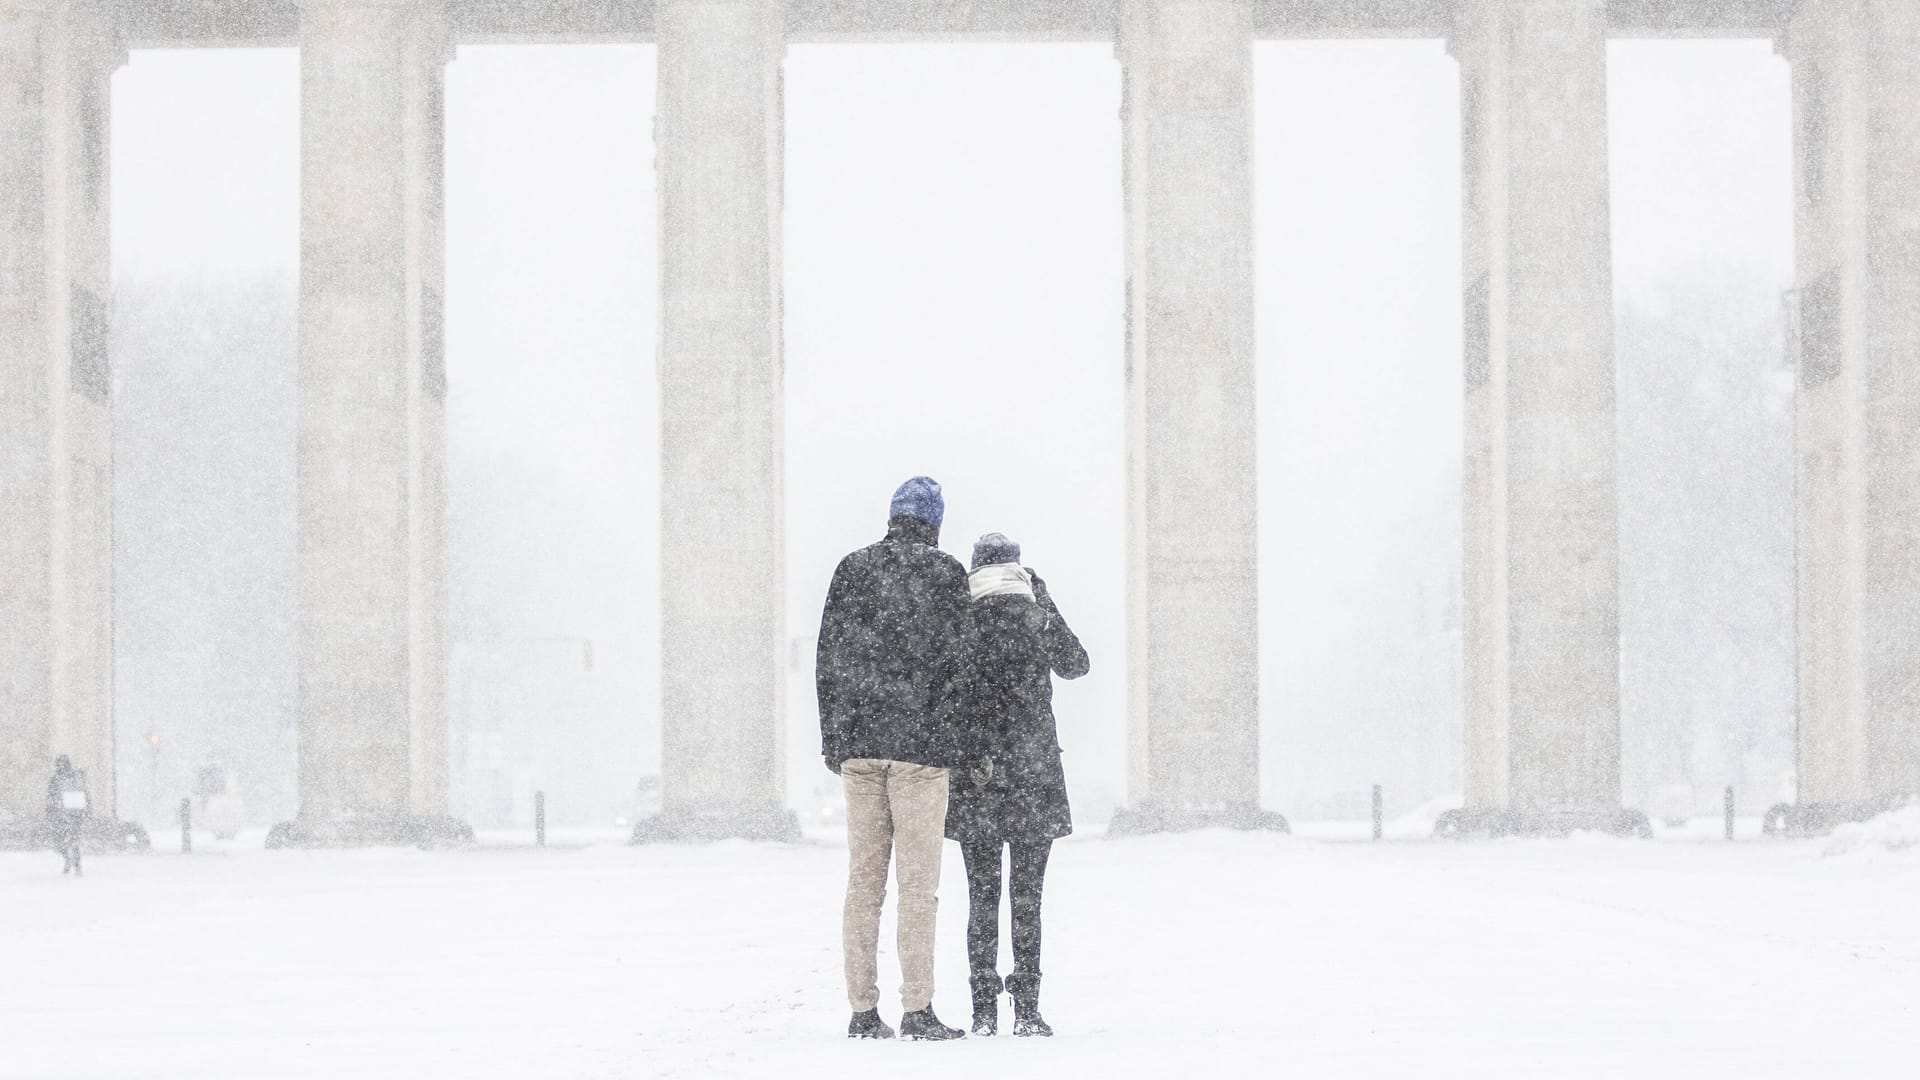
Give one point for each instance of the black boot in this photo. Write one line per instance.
(925, 1025)
(1025, 990)
(868, 1025)
(986, 1004)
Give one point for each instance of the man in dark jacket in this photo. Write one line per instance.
(67, 810)
(1013, 798)
(888, 669)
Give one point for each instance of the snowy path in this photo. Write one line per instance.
(1198, 956)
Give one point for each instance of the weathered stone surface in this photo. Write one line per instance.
(56, 451)
(1856, 88)
(1192, 578)
(371, 458)
(722, 523)
(1540, 524)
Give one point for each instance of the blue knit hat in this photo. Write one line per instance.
(995, 548)
(919, 498)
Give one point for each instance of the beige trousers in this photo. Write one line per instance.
(898, 809)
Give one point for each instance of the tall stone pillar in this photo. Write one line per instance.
(56, 448)
(722, 531)
(371, 459)
(1856, 107)
(1192, 578)
(1539, 518)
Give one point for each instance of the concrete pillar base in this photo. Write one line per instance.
(100, 834)
(1149, 818)
(1495, 822)
(744, 821)
(1819, 819)
(397, 830)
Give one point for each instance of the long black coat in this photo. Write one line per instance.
(1018, 646)
(892, 642)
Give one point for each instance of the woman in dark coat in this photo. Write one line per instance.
(1014, 796)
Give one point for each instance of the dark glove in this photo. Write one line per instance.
(833, 763)
(1041, 598)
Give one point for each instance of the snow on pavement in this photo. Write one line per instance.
(1213, 954)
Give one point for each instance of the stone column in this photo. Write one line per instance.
(1856, 106)
(56, 449)
(372, 583)
(1539, 521)
(1193, 644)
(719, 157)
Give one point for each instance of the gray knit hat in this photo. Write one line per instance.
(995, 548)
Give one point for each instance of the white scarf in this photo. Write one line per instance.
(1000, 579)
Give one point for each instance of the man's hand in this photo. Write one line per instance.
(833, 763)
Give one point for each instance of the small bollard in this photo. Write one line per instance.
(539, 819)
(1379, 815)
(1729, 808)
(186, 826)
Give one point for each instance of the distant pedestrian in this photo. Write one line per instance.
(68, 808)
(891, 645)
(1015, 797)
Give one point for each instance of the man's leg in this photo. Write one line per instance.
(1028, 877)
(869, 843)
(918, 794)
(983, 907)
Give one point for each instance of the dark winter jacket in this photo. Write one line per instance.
(1019, 791)
(891, 646)
(58, 785)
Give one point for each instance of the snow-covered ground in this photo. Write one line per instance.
(1182, 956)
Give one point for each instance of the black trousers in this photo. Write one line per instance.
(69, 837)
(1027, 877)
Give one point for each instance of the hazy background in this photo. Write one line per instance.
(954, 289)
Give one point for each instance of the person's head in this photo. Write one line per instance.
(995, 548)
(919, 499)
(62, 765)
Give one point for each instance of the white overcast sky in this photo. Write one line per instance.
(954, 288)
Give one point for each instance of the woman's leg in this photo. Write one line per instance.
(983, 907)
(1026, 880)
